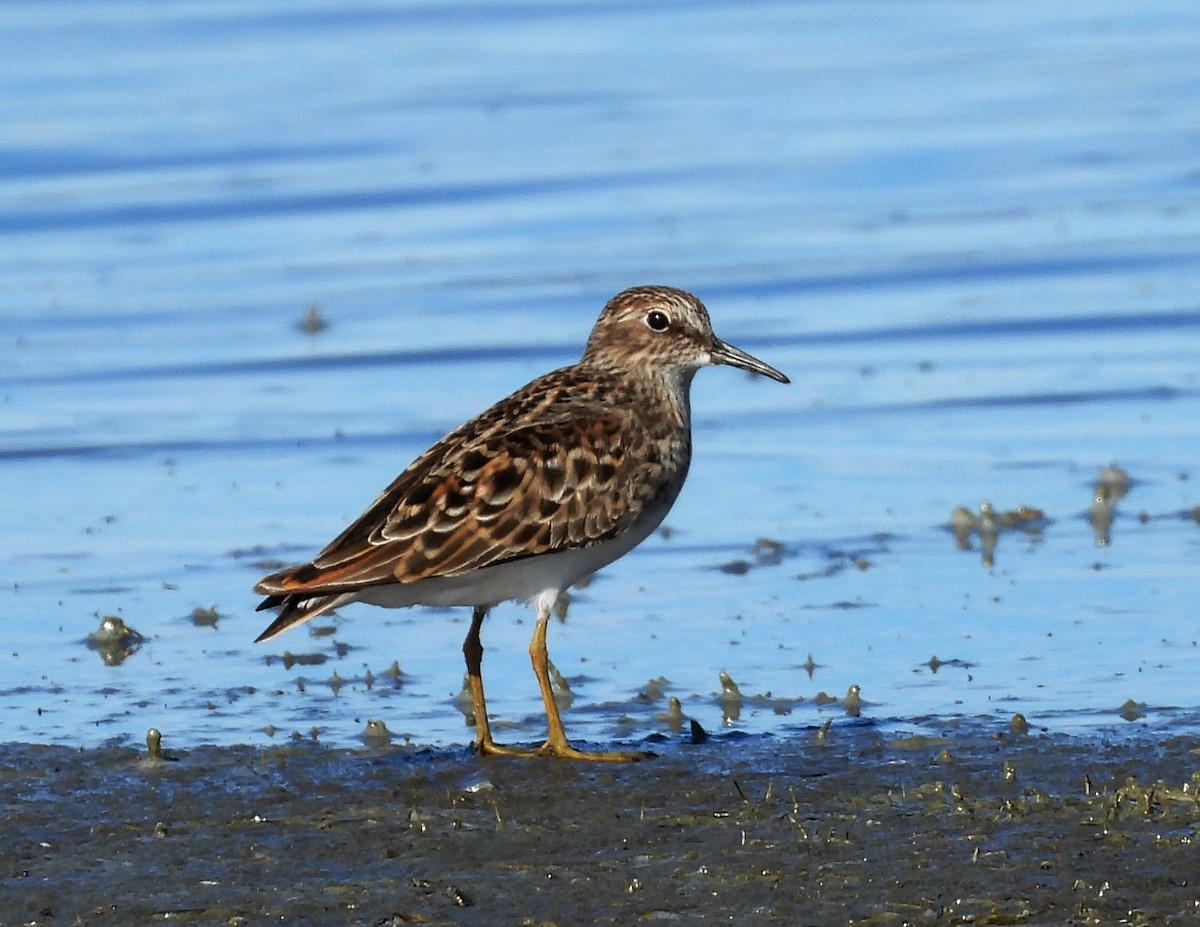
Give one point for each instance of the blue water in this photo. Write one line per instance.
(969, 232)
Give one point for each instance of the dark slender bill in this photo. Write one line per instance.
(723, 353)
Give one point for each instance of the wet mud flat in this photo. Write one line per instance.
(857, 826)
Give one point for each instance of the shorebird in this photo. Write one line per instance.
(547, 486)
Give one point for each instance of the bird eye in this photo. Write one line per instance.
(657, 320)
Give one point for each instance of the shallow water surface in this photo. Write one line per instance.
(969, 234)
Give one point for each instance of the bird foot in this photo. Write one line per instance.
(563, 751)
(491, 748)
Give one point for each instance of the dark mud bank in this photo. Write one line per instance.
(857, 827)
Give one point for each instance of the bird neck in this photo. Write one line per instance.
(678, 384)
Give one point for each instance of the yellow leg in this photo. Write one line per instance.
(473, 651)
(556, 742)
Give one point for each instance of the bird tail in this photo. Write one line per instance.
(297, 608)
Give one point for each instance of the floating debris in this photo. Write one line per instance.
(963, 523)
(114, 640)
(154, 745)
(672, 718)
(1100, 515)
(114, 630)
(936, 664)
(853, 701)
(205, 617)
(988, 531)
(652, 692)
(1111, 486)
(768, 552)
(1131, 710)
(731, 699)
(312, 322)
(1021, 518)
(302, 659)
(989, 524)
(1114, 481)
(376, 734)
(154, 752)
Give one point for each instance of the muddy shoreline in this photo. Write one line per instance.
(987, 827)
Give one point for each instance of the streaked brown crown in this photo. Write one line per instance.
(651, 325)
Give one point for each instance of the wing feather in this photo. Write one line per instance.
(490, 493)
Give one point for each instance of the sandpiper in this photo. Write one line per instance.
(541, 490)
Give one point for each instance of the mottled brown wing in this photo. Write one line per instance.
(483, 496)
